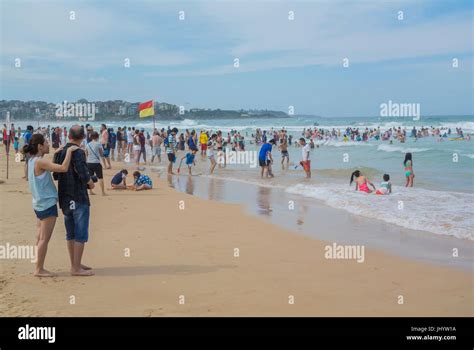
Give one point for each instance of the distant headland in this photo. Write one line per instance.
(121, 110)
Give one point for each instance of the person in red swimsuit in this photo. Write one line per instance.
(362, 182)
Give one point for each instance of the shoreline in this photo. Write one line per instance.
(190, 253)
(270, 204)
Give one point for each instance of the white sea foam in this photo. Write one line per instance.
(439, 212)
(246, 181)
(188, 122)
(465, 126)
(334, 143)
(392, 148)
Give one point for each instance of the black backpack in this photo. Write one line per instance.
(58, 158)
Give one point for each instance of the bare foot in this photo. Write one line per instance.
(84, 267)
(44, 273)
(104, 194)
(92, 193)
(82, 272)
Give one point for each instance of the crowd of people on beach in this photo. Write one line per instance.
(81, 153)
(132, 145)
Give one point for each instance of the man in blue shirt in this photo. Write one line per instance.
(265, 158)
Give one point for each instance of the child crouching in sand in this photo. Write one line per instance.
(142, 182)
(385, 186)
(119, 180)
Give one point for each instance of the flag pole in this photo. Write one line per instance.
(154, 127)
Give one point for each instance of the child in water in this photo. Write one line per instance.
(362, 182)
(410, 175)
(385, 186)
(190, 160)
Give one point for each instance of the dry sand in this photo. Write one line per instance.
(190, 253)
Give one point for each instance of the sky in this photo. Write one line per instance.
(283, 61)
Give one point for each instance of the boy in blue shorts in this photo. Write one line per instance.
(190, 159)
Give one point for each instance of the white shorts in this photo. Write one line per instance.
(136, 147)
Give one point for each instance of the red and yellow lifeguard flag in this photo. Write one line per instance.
(146, 109)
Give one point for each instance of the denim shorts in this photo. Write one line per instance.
(51, 211)
(77, 222)
(106, 150)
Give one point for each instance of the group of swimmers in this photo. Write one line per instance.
(265, 158)
(363, 183)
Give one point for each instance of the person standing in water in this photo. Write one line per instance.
(362, 182)
(305, 153)
(265, 159)
(203, 140)
(211, 145)
(284, 151)
(156, 142)
(171, 149)
(45, 195)
(409, 174)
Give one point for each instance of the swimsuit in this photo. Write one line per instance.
(384, 188)
(306, 164)
(408, 169)
(364, 188)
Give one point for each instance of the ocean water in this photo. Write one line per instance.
(441, 201)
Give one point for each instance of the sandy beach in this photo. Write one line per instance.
(182, 263)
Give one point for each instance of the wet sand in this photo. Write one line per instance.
(312, 218)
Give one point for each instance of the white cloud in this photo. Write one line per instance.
(258, 33)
